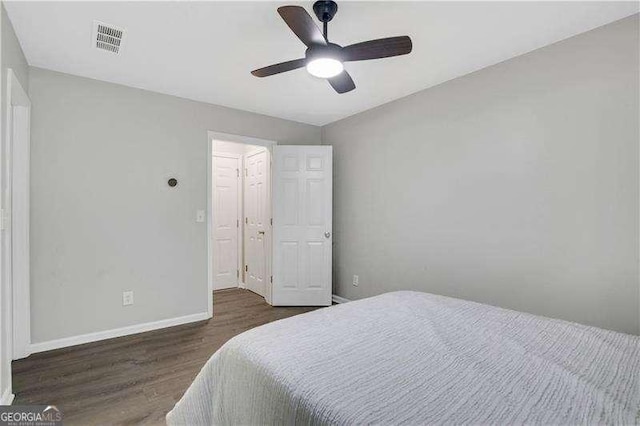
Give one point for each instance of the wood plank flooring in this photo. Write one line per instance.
(137, 379)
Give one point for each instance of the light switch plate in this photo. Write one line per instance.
(199, 216)
(356, 280)
(127, 298)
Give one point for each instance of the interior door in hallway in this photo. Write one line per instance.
(257, 220)
(226, 218)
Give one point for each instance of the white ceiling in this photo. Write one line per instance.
(206, 50)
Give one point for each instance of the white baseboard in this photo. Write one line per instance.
(117, 332)
(337, 299)
(225, 288)
(7, 397)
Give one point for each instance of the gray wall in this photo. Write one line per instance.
(11, 56)
(516, 185)
(103, 219)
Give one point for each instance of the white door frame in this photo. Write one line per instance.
(238, 159)
(212, 136)
(18, 110)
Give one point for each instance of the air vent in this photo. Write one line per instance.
(107, 37)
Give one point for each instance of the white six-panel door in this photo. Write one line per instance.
(226, 211)
(302, 225)
(257, 221)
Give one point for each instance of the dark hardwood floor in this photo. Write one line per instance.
(137, 379)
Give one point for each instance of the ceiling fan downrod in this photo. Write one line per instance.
(325, 10)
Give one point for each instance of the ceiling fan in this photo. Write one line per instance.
(324, 59)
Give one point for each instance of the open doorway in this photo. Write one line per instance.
(281, 253)
(241, 213)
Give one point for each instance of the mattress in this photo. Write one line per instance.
(417, 358)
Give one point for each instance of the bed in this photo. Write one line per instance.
(417, 358)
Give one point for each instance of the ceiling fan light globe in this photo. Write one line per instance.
(324, 67)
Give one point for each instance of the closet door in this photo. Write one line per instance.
(226, 218)
(257, 220)
(302, 225)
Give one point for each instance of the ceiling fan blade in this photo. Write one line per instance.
(380, 48)
(278, 68)
(342, 83)
(302, 25)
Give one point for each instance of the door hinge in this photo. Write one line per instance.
(238, 172)
(246, 220)
(271, 279)
(237, 273)
(237, 223)
(271, 221)
(246, 268)
(246, 172)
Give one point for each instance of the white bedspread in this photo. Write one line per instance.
(416, 358)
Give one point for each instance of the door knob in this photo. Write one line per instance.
(261, 232)
(327, 234)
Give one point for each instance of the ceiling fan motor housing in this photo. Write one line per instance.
(325, 10)
(331, 50)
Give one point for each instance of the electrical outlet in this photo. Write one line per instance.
(127, 298)
(200, 216)
(356, 281)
